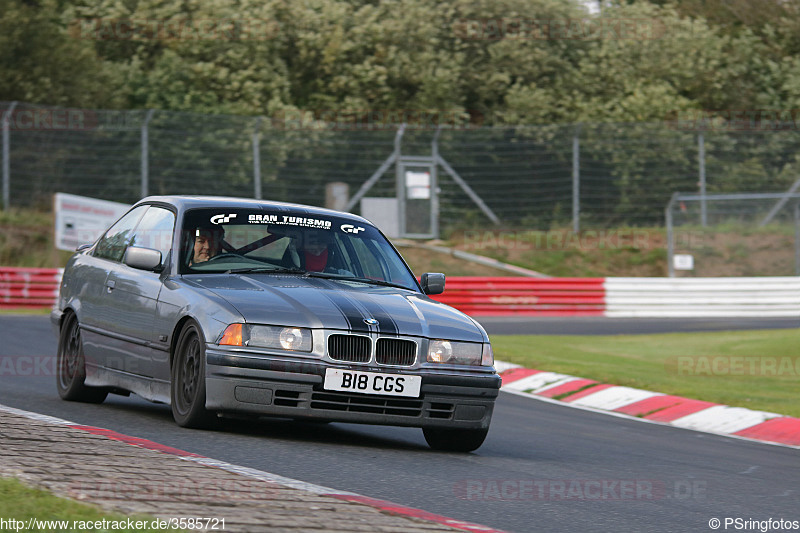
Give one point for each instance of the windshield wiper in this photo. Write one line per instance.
(370, 281)
(382, 282)
(323, 275)
(268, 270)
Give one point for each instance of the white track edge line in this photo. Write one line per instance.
(206, 461)
(657, 422)
(262, 475)
(36, 416)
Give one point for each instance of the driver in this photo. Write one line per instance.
(318, 253)
(315, 250)
(207, 243)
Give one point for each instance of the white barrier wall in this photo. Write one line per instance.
(703, 297)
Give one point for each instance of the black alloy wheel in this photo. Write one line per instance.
(71, 366)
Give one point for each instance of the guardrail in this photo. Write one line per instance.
(699, 297)
(518, 296)
(525, 296)
(22, 288)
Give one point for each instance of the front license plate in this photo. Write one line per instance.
(372, 383)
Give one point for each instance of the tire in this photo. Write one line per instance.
(188, 380)
(455, 440)
(71, 366)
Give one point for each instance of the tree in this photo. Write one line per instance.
(41, 63)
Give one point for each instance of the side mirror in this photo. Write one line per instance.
(432, 283)
(142, 258)
(83, 247)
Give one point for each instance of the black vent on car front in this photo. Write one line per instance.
(395, 352)
(441, 410)
(287, 398)
(359, 403)
(352, 348)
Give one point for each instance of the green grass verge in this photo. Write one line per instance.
(20, 502)
(730, 367)
(26, 311)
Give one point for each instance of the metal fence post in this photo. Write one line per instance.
(257, 160)
(7, 157)
(145, 153)
(701, 161)
(435, 183)
(797, 238)
(400, 183)
(576, 180)
(670, 236)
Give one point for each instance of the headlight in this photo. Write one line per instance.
(459, 353)
(277, 337)
(295, 339)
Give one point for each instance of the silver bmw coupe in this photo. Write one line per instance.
(233, 307)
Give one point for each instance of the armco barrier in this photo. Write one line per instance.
(481, 296)
(28, 287)
(518, 296)
(699, 297)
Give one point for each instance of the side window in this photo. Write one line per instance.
(155, 231)
(113, 244)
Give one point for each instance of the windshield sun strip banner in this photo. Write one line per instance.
(298, 219)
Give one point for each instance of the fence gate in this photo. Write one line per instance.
(417, 190)
(418, 197)
(759, 233)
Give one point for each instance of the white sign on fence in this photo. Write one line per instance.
(81, 220)
(683, 262)
(418, 185)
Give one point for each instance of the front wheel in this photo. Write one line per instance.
(71, 366)
(188, 380)
(455, 440)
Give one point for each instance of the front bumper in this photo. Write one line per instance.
(277, 387)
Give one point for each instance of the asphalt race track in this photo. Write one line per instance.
(559, 469)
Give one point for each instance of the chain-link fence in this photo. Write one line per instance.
(743, 234)
(538, 177)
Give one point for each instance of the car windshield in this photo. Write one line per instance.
(264, 242)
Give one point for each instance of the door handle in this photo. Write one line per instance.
(110, 284)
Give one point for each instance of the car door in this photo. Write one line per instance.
(133, 295)
(93, 293)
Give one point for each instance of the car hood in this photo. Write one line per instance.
(289, 300)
